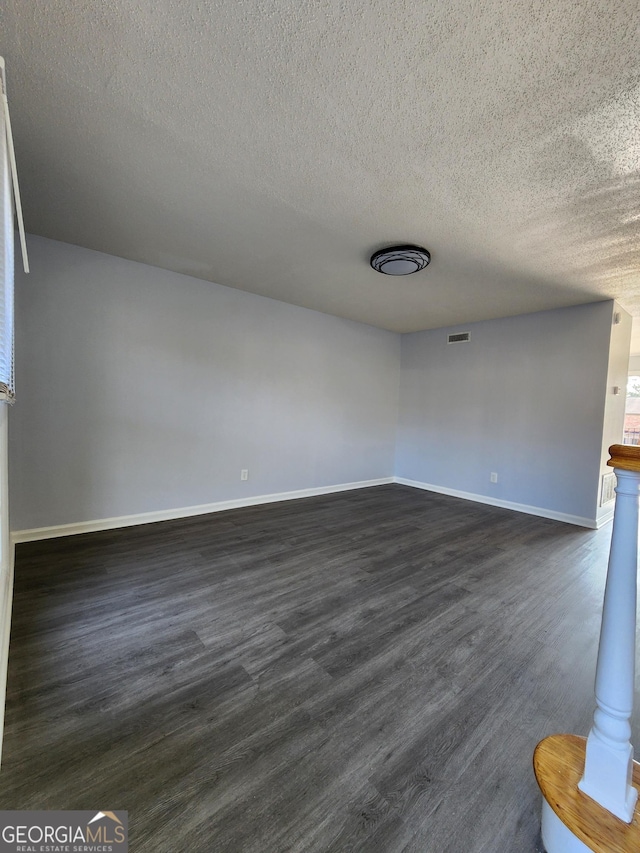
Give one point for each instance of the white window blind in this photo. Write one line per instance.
(8, 182)
(6, 269)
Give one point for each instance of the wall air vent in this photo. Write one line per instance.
(608, 485)
(459, 338)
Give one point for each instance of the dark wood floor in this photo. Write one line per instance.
(367, 671)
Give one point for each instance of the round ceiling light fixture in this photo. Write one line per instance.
(400, 260)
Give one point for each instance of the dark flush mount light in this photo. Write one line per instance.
(400, 260)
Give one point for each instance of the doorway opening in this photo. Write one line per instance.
(632, 411)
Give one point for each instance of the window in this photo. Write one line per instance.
(6, 269)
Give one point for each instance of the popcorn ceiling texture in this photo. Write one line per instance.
(274, 146)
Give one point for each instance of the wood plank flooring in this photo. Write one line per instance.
(366, 671)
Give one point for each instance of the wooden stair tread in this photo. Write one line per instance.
(558, 762)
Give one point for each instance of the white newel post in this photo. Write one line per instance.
(590, 786)
(609, 758)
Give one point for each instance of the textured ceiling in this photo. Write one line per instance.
(273, 146)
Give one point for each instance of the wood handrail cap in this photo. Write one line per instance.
(625, 456)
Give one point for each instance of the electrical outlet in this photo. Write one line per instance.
(244, 474)
(494, 477)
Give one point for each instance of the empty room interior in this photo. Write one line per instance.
(325, 336)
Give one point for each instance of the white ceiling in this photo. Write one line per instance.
(273, 145)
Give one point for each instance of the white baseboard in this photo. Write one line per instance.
(37, 533)
(485, 499)
(605, 515)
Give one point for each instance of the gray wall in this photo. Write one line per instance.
(141, 390)
(525, 398)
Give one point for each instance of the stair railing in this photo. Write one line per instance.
(590, 788)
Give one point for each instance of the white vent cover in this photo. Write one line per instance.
(459, 338)
(608, 485)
